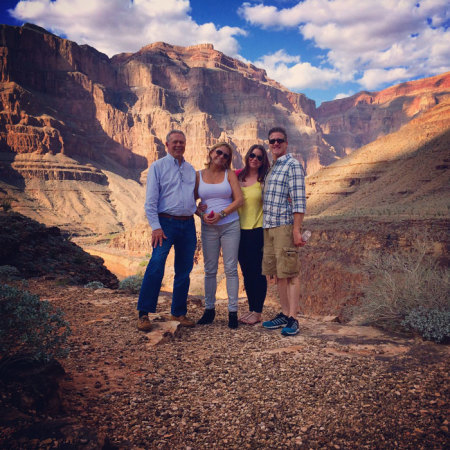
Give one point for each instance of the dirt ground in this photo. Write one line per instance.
(331, 386)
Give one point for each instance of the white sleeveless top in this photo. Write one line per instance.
(217, 197)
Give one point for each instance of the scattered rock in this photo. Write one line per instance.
(210, 385)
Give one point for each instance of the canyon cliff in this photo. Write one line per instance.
(353, 122)
(78, 130)
(403, 176)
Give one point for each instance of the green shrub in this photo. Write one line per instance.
(94, 285)
(399, 284)
(31, 326)
(131, 284)
(432, 324)
(8, 272)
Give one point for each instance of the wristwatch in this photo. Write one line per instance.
(222, 214)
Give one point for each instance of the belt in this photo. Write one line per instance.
(169, 216)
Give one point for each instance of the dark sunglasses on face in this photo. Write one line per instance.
(252, 155)
(278, 141)
(221, 153)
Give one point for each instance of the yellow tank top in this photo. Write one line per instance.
(251, 212)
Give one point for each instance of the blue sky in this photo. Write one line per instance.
(325, 49)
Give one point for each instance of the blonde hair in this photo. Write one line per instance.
(215, 147)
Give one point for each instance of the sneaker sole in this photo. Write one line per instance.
(274, 327)
(289, 333)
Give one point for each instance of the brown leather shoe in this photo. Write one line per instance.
(144, 324)
(184, 321)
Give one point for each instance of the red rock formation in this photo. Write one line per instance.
(401, 176)
(54, 95)
(211, 96)
(355, 121)
(122, 108)
(78, 130)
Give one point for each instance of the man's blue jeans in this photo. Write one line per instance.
(181, 234)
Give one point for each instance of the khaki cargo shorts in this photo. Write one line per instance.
(281, 256)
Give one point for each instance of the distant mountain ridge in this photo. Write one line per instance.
(78, 129)
(402, 176)
(353, 122)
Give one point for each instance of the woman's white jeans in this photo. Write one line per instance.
(215, 237)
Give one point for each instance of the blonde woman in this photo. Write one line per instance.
(219, 189)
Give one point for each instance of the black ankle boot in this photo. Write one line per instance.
(208, 317)
(232, 320)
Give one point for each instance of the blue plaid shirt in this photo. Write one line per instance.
(284, 192)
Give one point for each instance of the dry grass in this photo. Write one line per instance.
(399, 283)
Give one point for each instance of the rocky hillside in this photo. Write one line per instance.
(37, 251)
(404, 175)
(353, 122)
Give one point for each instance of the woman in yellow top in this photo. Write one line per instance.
(251, 179)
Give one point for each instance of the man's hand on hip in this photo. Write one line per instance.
(157, 237)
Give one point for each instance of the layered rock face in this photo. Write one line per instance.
(212, 97)
(402, 176)
(57, 164)
(78, 130)
(59, 97)
(353, 122)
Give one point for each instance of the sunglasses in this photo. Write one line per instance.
(278, 141)
(252, 156)
(221, 153)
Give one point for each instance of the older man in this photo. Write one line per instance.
(169, 206)
(283, 210)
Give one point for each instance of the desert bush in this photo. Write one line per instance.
(94, 285)
(432, 324)
(131, 284)
(401, 285)
(8, 272)
(31, 326)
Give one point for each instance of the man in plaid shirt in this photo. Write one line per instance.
(283, 210)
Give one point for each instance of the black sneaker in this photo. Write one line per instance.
(277, 322)
(291, 328)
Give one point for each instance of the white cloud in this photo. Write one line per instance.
(374, 77)
(371, 42)
(115, 26)
(294, 74)
(343, 95)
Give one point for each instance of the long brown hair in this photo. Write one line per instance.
(215, 147)
(262, 171)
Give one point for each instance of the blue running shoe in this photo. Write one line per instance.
(291, 328)
(277, 322)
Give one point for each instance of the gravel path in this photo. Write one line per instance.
(211, 387)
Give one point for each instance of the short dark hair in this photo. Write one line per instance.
(174, 132)
(278, 130)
